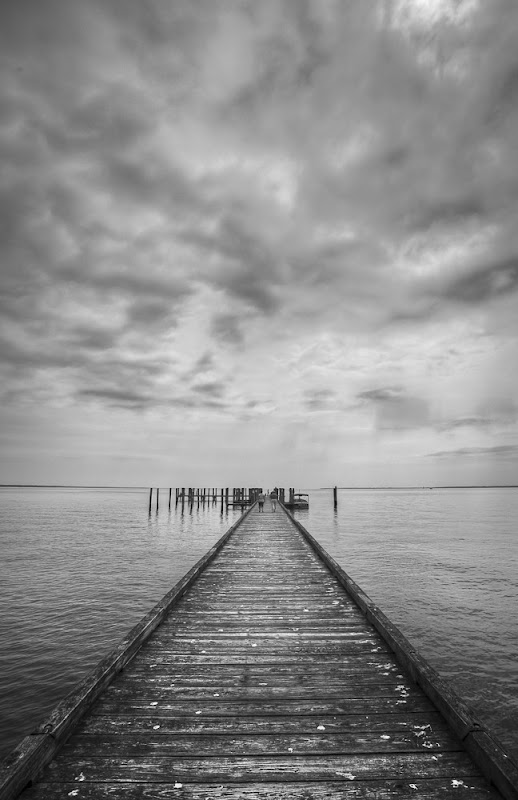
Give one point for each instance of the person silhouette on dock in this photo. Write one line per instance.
(273, 500)
(260, 500)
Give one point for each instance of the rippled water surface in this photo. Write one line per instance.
(80, 567)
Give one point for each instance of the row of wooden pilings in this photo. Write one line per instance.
(228, 497)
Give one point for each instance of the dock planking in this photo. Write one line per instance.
(264, 680)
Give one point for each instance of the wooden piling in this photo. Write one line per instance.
(157, 493)
(170, 491)
(150, 499)
(335, 497)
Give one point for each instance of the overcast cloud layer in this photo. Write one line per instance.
(252, 243)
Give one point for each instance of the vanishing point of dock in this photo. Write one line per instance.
(265, 673)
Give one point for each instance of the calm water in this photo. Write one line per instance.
(80, 567)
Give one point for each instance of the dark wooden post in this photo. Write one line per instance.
(335, 497)
(183, 498)
(170, 491)
(150, 498)
(157, 492)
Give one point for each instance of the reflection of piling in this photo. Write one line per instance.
(335, 497)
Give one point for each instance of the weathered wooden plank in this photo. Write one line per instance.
(277, 673)
(151, 680)
(271, 648)
(275, 633)
(218, 707)
(158, 744)
(442, 788)
(157, 691)
(280, 621)
(419, 723)
(224, 606)
(24, 762)
(266, 658)
(282, 635)
(286, 767)
(260, 616)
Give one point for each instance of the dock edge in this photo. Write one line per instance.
(484, 748)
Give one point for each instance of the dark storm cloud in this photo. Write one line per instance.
(151, 314)
(394, 409)
(141, 401)
(466, 422)
(211, 388)
(227, 328)
(381, 395)
(318, 399)
(93, 337)
(483, 283)
(202, 365)
(448, 212)
(495, 411)
(118, 398)
(247, 270)
(470, 285)
(496, 451)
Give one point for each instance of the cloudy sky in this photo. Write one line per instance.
(258, 243)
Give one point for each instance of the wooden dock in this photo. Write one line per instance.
(263, 678)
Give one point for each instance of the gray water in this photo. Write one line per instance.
(80, 567)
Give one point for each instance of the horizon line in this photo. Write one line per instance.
(320, 488)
